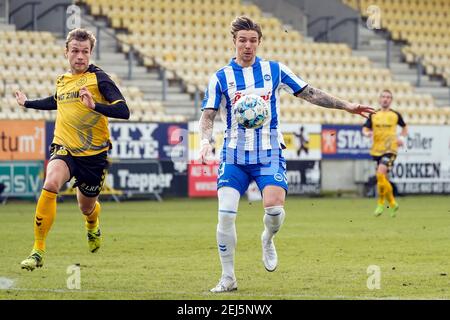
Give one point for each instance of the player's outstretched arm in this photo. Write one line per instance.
(48, 103)
(21, 98)
(323, 99)
(404, 132)
(117, 110)
(401, 140)
(206, 130)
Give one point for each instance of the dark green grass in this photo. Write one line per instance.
(167, 251)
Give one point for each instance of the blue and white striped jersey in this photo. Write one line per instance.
(264, 78)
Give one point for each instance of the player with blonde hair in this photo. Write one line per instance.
(85, 97)
(382, 128)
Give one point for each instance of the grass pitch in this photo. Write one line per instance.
(168, 251)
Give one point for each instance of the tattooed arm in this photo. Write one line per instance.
(206, 131)
(323, 99)
(320, 98)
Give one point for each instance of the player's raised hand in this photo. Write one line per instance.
(401, 141)
(356, 108)
(20, 97)
(86, 98)
(205, 152)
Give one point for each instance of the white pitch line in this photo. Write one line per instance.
(6, 283)
(237, 295)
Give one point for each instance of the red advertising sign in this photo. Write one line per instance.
(328, 141)
(203, 179)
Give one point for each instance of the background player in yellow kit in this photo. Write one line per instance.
(85, 98)
(382, 127)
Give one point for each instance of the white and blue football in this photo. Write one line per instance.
(251, 111)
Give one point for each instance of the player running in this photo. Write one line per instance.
(85, 97)
(382, 127)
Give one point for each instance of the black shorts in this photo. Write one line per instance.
(89, 171)
(387, 159)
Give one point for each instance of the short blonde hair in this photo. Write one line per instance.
(81, 34)
(388, 91)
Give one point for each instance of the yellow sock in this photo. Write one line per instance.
(92, 218)
(381, 187)
(389, 193)
(44, 217)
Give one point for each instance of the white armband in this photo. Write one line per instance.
(402, 139)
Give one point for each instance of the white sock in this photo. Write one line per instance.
(273, 219)
(226, 229)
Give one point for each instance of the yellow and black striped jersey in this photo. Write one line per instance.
(384, 127)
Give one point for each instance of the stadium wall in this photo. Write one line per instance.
(338, 176)
(288, 11)
(315, 9)
(52, 22)
(4, 7)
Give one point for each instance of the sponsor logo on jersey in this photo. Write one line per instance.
(82, 81)
(278, 177)
(61, 152)
(239, 94)
(60, 81)
(69, 96)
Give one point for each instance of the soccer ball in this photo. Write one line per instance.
(251, 111)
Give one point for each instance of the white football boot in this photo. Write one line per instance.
(225, 284)
(269, 253)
